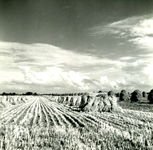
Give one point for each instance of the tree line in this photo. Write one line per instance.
(135, 96)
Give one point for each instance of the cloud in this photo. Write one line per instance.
(127, 58)
(137, 29)
(45, 68)
(149, 72)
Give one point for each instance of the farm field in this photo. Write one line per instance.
(41, 122)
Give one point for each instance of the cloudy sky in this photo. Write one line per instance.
(58, 46)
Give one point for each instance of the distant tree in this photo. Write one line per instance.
(3, 93)
(28, 93)
(13, 93)
(136, 96)
(124, 96)
(35, 93)
(150, 96)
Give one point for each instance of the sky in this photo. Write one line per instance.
(70, 46)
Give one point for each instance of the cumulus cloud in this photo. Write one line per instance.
(137, 29)
(46, 68)
(127, 58)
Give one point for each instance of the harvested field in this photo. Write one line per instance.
(40, 123)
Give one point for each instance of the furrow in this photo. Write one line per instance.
(74, 114)
(55, 118)
(76, 118)
(115, 124)
(28, 112)
(14, 110)
(21, 116)
(71, 120)
(59, 116)
(37, 121)
(27, 116)
(42, 120)
(46, 114)
(11, 117)
(50, 117)
(36, 113)
(31, 114)
(77, 115)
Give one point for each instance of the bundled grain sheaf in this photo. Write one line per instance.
(101, 103)
(136, 96)
(124, 96)
(107, 104)
(150, 96)
(95, 106)
(83, 102)
(90, 103)
(104, 103)
(114, 105)
(78, 101)
(75, 98)
(66, 101)
(71, 101)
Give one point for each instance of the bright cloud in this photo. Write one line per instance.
(138, 29)
(46, 68)
(149, 72)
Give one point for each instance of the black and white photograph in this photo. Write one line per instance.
(76, 74)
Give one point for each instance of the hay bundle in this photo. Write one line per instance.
(64, 99)
(95, 104)
(78, 101)
(66, 102)
(100, 104)
(150, 97)
(107, 104)
(61, 99)
(54, 98)
(114, 105)
(71, 101)
(84, 99)
(103, 103)
(75, 98)
(90, 103)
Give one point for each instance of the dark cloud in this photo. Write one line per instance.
(80, 60)
(62, 23)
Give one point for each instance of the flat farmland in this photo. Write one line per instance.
(41, 122)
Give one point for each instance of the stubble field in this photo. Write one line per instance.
(36, 122)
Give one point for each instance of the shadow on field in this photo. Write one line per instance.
(142, 106)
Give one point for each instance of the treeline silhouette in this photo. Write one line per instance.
(135, 96)
(27, 93)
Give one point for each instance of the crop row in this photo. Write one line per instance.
(40, 111)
